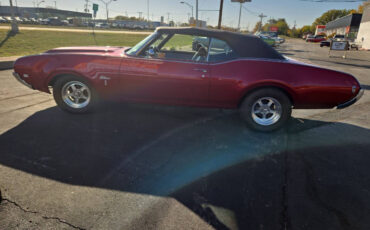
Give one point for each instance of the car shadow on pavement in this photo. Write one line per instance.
(309, 173)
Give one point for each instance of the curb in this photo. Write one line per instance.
(4, 65)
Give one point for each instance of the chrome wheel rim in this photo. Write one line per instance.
(76, 94)
(266, 111)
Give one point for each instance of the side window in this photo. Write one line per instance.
(185, 47)
(179, 42)
(220, 51)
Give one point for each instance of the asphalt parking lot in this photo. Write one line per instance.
(130, 166)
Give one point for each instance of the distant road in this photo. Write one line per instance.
(78, 30)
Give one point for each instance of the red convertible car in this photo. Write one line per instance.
(244, 73)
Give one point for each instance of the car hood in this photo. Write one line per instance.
(96, 50)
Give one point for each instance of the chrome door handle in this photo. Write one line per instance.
(202, 70)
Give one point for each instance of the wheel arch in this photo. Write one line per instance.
(284, 89)
(56, 76)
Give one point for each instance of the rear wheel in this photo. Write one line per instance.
(74, 94)
(266, 109)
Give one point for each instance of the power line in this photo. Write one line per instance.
(249, 11)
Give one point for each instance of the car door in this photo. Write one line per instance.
(225, 84)
(165, 79)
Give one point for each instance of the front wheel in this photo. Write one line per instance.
(74, 94)
(266, 109)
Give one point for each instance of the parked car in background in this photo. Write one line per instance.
(339, 37)
(268, 40)
(279, 40)
(8, 19)
(102, 25)
(18, 19)
(326, 43)
(315, 38)
(275, 36)
(2, 20)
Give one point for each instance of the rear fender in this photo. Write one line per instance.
(270, 84)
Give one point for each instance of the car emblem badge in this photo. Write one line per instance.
(105, 79)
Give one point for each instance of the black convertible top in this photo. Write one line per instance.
(248, 46)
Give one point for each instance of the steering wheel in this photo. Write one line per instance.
(156, 50)
(152, 51)
(200, 54)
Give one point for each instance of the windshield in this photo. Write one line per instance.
(141, 44)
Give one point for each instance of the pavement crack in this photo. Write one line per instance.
(44, 217)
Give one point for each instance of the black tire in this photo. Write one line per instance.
(283, 106)
(62, 102)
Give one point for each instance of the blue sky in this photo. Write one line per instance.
(302, 12)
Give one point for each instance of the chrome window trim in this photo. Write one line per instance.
(153, 35)
(209, 48)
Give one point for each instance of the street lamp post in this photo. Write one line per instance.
(106, 7)
(240, 15)
(196, 13)
(192, 11)
(189, 5)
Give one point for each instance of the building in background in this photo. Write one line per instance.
(363, 36)
(347, 25)
(201, 23)
(320, 29)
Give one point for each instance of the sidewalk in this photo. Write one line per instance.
(7, 62)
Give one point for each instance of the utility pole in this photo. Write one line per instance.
(196, 13)
(87, 6)
(220, 14)
(14, 23)
(147, 1)
(140, 14)
(107, 7)
(55, 4)
(240, 15)
(261, 16)
(168, 18)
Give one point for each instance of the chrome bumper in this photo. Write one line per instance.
(352, 101)
(21, 80)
